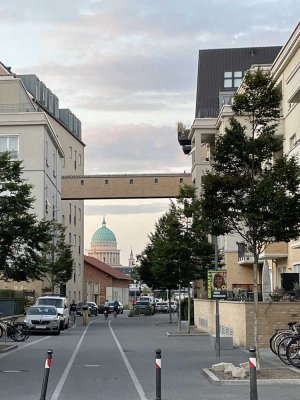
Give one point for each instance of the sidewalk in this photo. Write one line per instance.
(193, 352)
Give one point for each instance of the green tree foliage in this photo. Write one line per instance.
(57, 257)
(253, 189)
(21, 234)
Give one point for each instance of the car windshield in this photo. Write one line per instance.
(41, 311)
(51, 302)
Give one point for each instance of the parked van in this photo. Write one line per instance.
(62, 305)
(150, 299)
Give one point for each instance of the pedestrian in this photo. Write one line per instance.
(73, 307)
(85, 313)
(116, 308)
(106, 306)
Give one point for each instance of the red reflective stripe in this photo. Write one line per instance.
(48, 362)
(158, 363)
(252, 362)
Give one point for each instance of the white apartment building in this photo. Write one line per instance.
(48, 141)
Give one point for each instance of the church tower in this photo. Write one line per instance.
(131, 259)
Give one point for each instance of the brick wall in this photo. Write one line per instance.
(236, 318)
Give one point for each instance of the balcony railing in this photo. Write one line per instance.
(14, 108)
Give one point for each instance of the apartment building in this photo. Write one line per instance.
(48, 141)
(220, 73)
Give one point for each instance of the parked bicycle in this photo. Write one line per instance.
(17, 331)
(285, 343)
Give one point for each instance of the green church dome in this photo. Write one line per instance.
(103, 234)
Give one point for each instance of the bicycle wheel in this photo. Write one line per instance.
(282, 348)
(24, 327)
(19, 332)
(2, 331)
(276, 339)
(293, 352)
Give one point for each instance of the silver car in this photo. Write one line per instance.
(43, 318)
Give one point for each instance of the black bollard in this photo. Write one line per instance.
(253, 377)
(46, 374)
(158, 373)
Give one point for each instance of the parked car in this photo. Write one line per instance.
(93, 308)
(162, 306)
(62, 305)
(43, 318)
(144, 305)
(111, 307)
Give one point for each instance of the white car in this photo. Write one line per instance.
(61, 303)
(162, 306)
(43, 318)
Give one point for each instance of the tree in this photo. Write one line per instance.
(253, 189)
(21, 234)
(57, 257)
(179, 251)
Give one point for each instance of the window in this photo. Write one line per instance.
(79, 244)
(237, 75)
(70, 238)
(106, 181)
(82, 182)
(181, 180)
(75, 158)
(131, 181)
(79, 269)
(232, 79)
(70, 152)
(10, 144)
(70, 213)
(79, 214)
(227, 79)
(79, 159)
(75, 216)
(156, 180)
(74, 239)
(63, 219)
(292, 141)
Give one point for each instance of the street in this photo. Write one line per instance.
(115, 359)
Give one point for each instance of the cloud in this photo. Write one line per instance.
(123, 209)
(130, 148)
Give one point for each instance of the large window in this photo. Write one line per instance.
(11, 144)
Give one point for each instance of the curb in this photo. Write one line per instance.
(7, 347)
(216, 381)
(186, 334)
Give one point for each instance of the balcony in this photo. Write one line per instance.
(16, 108)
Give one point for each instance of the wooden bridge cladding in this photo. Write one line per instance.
(129, 186)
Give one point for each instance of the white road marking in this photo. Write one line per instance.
(66, 372)
(92, 365)
(134, 378)
(22, 347)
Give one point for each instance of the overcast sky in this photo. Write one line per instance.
(128, 70)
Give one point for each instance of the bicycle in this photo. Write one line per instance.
(17, 331)
(280, 334)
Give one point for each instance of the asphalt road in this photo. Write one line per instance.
(115, 360)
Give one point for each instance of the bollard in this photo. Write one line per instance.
(158, 373)
(46, 374)
(253, 377)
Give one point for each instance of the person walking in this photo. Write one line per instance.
(73, 306)
(85, 313)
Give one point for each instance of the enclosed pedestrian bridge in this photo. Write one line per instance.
(123, 186)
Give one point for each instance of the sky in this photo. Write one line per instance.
(128, 70)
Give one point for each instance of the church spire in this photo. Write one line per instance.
(131, 259)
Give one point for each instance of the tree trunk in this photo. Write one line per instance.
(255, 313)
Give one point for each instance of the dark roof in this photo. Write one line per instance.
(213, 63)
(105, 268)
